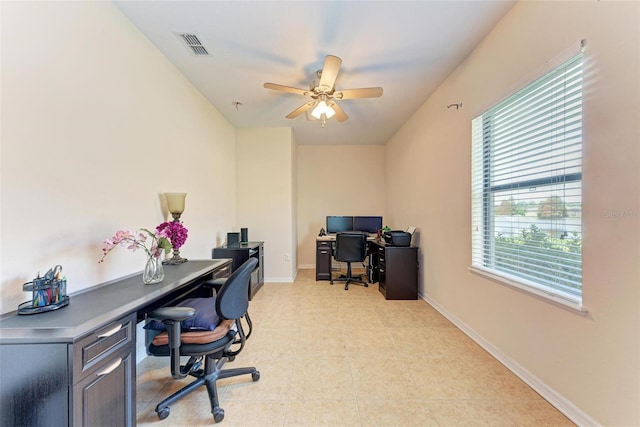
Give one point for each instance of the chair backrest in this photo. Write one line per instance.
(232, 300)
(351, 247)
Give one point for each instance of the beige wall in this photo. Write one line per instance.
(96, 123)
(590, 365)
(336, 180)
(265, 196)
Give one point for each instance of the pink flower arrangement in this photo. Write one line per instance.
(138, 240)
(175, 232)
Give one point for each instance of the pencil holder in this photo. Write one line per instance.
(48, 293)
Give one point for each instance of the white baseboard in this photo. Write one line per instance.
(565, 406)
(279, 280)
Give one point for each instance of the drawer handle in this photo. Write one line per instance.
(110, 332)
(110, 368)
(381, 270)
(324, 252)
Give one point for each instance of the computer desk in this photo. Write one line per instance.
(324, 254)
(394, 268)
(75, 366)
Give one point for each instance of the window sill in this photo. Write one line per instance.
(559, 300)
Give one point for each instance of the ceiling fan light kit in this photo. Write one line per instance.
(324, 95)
(323, 108)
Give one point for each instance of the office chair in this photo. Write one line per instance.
(350, 247)
(214, 346)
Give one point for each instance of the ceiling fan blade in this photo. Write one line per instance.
(288, 89)
(366, 92)
(340, 114)
(329, 73)
(301, 109)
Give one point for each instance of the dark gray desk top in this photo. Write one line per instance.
(99, 305)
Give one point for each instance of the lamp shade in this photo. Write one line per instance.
(175, 202)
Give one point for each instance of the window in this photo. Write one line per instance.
(527, 187)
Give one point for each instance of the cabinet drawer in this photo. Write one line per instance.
(90, 352)
(105, 396)
(323, 244)
(323, 251)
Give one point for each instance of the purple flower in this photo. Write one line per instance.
(175, 232)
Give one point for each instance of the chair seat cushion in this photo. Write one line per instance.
(197, 337)
(205, 319)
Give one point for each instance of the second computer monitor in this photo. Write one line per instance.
(369, 224)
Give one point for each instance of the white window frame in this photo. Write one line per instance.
(485, 185)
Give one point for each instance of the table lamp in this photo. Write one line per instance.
(175, 205)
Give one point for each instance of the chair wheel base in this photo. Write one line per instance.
(218, 415)
(255, 376)
(163, 413)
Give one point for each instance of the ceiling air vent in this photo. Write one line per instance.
(193, 44)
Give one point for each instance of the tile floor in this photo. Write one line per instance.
(330, 357)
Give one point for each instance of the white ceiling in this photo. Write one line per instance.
(406, 47)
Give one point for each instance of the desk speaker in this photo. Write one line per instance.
(244, 235)
(233, 239)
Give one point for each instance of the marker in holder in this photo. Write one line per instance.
(48, 293)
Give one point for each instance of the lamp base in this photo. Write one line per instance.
(174, 261)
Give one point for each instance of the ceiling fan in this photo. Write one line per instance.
(324, 95)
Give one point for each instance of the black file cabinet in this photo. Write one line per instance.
(323, 260)
(241, 253)
(395, 269)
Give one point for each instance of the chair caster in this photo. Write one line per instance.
(218, 415)
(163, 413)
(255, 376)
(231, 358)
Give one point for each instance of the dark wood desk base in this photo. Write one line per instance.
(394, 268)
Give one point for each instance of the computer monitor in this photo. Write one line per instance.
(369, 224)
(338, 224)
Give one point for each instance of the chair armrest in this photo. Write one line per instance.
(215, 284)
(171, 317)
(175, 314)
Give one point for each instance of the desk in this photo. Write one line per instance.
(324, 254)
(395, 268)
(76, 366)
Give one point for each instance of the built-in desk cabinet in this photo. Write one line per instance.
(104, 370)
(34, 385)
(395, 269)
(239, 255)
(86, 383)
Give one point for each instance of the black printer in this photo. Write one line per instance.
(397, 238)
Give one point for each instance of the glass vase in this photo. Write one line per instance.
(153, 270)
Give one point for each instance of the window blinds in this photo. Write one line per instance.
(527, 184)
